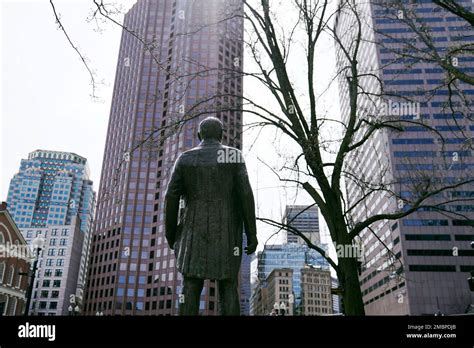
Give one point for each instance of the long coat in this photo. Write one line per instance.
(219, 205)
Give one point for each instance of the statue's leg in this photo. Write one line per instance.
(192, 288)
(228, 297)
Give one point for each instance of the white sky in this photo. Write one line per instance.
(46, 104)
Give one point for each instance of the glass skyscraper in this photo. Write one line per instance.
(51, 188)
(293, 256)
(426, 269)
(183, 62)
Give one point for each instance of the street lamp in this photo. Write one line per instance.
(37, 244)
(74, 311)
(279, 309)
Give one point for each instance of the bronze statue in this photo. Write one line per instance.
(212, 181)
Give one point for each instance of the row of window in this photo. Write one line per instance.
(47, 283)
(436, 222)
(7, 276)
(439, 237)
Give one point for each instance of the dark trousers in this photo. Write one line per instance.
(191, 295)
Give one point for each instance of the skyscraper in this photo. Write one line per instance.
(52, 196)
(182, 63)
(430, 257)
(306, 220)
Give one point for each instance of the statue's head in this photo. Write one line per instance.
(210, 129)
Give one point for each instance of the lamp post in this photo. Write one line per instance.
(74, 311)
(279, 309)
(99, 312)
(37, 244)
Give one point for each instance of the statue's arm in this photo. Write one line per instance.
(248, 207)
(173, 194)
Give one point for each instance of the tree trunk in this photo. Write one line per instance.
(349, 282)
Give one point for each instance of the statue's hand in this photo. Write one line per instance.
(251, 245)
(170, 243)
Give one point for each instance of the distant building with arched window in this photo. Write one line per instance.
(14, 260)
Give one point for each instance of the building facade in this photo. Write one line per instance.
(336, 298)
(280, 295)
(259, 300)
(316, 297)
(189, 68)
(418, 264)
(15, 258)
(52, 194)
(57, 278)
(306, 220)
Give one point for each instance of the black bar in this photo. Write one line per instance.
(380, 331)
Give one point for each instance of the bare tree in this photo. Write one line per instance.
(325, 163)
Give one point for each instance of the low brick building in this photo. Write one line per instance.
(14, 260)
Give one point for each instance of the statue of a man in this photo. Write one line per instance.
(212, 181)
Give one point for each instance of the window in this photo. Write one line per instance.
(10, 275)
(60, 262)
(56, 284)
(48, 272)
(44, 294)
(432, 268)
(421, 222)
(428, 237)
(2, 271)
(63, 242)
(18, 278)
(12, 309)
(46, 283)
(61, 252)
(54, 294)
(58, 273)
(53, 305)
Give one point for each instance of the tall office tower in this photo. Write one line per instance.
(53, 192)
(306, 220)
(294, 256)
(190, 68)
(431, 258)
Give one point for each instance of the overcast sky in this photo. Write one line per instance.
(46, 102)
